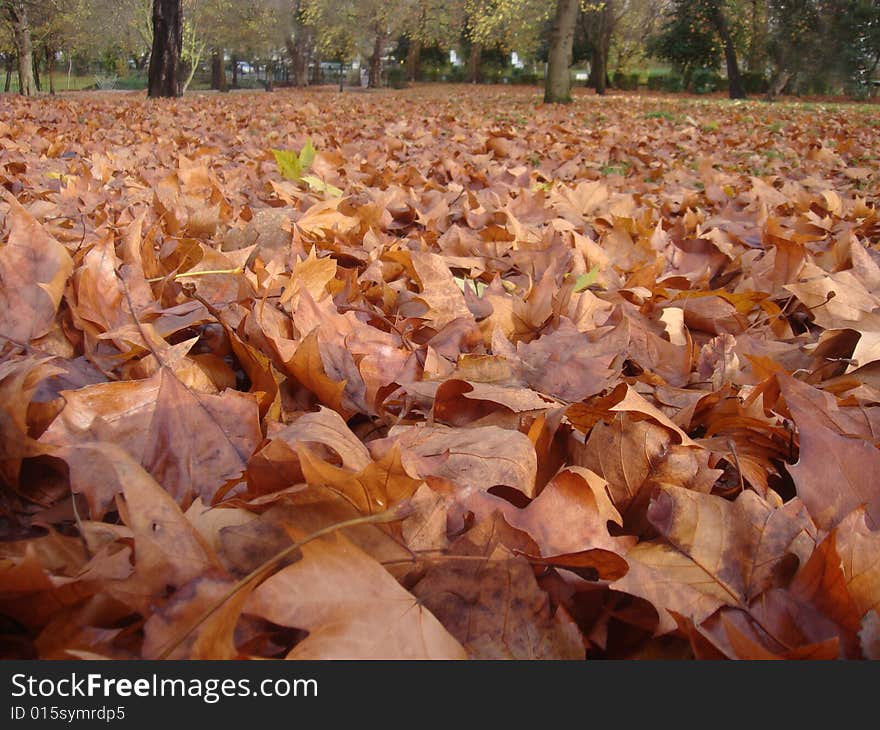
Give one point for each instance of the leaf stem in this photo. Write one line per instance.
(191, 274)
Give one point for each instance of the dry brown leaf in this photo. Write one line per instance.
(481, 457)
(34, 269)
(835, 473)
(717, 553)
(351, 607)
(493, 604)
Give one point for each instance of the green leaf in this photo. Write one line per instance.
(319, 186)
(307, 155)
(478, 286)
(585, 281)
(288, 164)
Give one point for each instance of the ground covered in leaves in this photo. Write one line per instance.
(588, 381)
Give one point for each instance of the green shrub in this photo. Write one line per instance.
(814, 86)
(521, 76)
(754, 82)
(704, 81)
(395, 77)
(672, 82)
(456, 75)
(656, 81)
(133, 82)
(624, 81)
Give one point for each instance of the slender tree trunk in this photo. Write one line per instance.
(218, 71)
(778, 85)
(235, 72)
(601, 71)
(293, 51)
(10, 58)
(376, 61)
(474, 60)
(301, 59)
(557, 85)
(165, 71)
(16, 12)
(413, 57)
(270, 76)
(50, 69)
(319, 72)
(735, 85)
(600, 33)
(37, 82)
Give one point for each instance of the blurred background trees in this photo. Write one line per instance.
(755, 47)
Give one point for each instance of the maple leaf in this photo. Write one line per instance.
(834, 472)
(635, 457)
(716, 553)
(34, 269)
(481, 457)
(19, 379)
(494, 605)
(351, 607)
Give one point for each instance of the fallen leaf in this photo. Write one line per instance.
(351, 607)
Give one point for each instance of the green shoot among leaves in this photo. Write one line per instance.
(293, 166)
(585, 281)
(477, 286)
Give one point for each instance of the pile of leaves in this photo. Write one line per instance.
(424, 376)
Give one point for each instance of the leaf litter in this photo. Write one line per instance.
(411, 375)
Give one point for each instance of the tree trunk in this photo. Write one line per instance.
(601, 37)
(557, 85)
(735, 85)
(218, 71)
(270, 76)
(50, 69)
(413, 56)
(319, 72)
(301, 61)
(600, 70)
(778, 85)
(298, 44)
(234, 72)
(165, 72)
(10, 58)
(376, 61)
(37, 83)
(16, 11)
(474, 60)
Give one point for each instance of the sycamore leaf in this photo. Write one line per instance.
(585, 281)
(34, 269)
(319, 186)
(715, 553)
(307, 155)
(351, 607)
(494, 606)
(835, 473)
(289, 164)
(478, 287)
